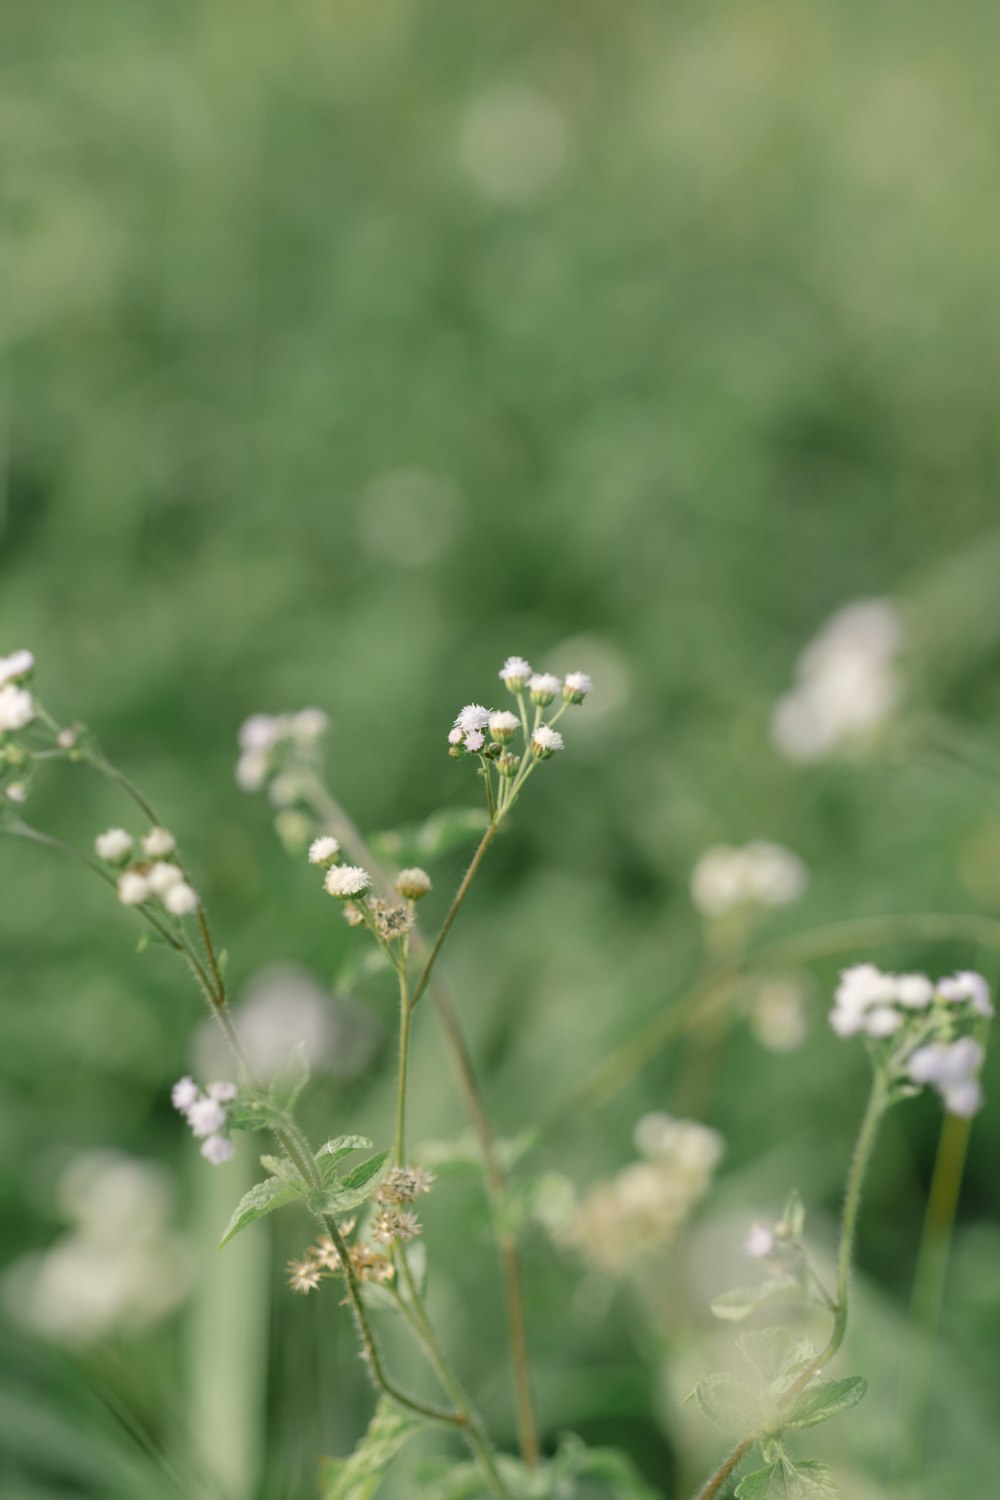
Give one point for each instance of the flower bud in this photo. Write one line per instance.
(545, 742)
(507, 764)
(515, 673)
(576, 687)
(413, 883)
(543, 687)
(324, 851)
(504, 725)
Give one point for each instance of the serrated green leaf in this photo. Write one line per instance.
(368, 1175)
(345, 1193)
(784, 1480)
(738, 1304)
(262, 1199)
(334, 1151)
(358, 1477)
(730, 1404)
(246, 1113)
(775, 1354)
(288, 1083)
(794, 1217)
(823, 1399)
(280, 1166)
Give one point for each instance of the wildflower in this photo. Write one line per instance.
(343, 881)
(761, 873)
(507, 764)
(545, 741)
(862, 987)
(504, 725)
(206, 1116)
(66, 738)
(352, 915)
(251, 770)
(405, 1184)
(882, 1021)
(158, 842)
(967, 985)
(18, 665)
(304, 1275)
(223, 1092)
(778, 1016)
(413, 883)
(759, 1243)
(395, 1224)
(515, 673)
(217, 1149)
(455, 736)
(952, 1069)
(162, 876)
(543, 687)
(324, 850)
(475, 739)
(113, 845)
(181, 899)
(915, 991)
(472, 717)
(17, 791)
(260, 732)
(391, 921)
(17, 708)
(309, 725)
(371, 1265)
(325, 1253)
(183, 1094)
(133, 888)
(576, 687)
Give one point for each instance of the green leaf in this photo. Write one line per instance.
(358, 1477)
(345, 1193)
(823, 1399)
(246, 1113)
(288, 1083)
(439, 834)
(280, 1166)
(730, 1404)
(736, 1305)
(794, 1217)
(334, 1151)
(262, 1199)
(784, 1480)
(776, 1356)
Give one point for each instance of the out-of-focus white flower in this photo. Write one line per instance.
(504, 725)
(309, 725)
(882, 1021)
(17, 791)
(514, 144)
(759, 1243)
(217, 1149)
(206, 1116)
(158, 842)
(967, 985)
(346, 881)
(413, 883)
(162, 876)
(17, 708)
(113, 845)
(181, 899)
(778, 1016)
(759, 874)
(183, 1094)
(576, 686)
(515, 673)
(16, 666)
(223, 1091)
(324, 850)
(543, 687)
(260, 732)
(472, 717)
(861, 988)
(251, 770)
(546, 741)
(953, 1070)
(133, 888)
(848, 682)
(914, 991)
(286, 789)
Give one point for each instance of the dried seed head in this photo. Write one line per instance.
(394, 1224)
(405, 1184)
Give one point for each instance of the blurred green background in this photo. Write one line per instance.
(347, 348)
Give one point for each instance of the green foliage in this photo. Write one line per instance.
(421, 843)
(334, 1151)
(262, 1199)
(358, 1477)
(738, 1304)
(785, 1480)
(574, 1470)
(340, 1194)
(289, 1081)
(730, 1403)
(823, 1399)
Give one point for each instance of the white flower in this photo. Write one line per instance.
(286, 789)
(217, 1150)
(861, 987)
(546, 741)
(413, 883)
(882, 1021)
(17, 791)
(472, 717)
(576, 687)
(223, 1092)
(915, 991)
(158, 842)
(206, 1116)
(17, 708)
(113, 845)
(774, 875)
(260, 732)
(515, 673)
(759, 1243)
(183, 1094)
(162, 876)
(455, 736)
(761, 873)
(309, 725)
(475, 739)
(251, 770)
(19, 664)
(717, 881)
(324, 850)
(543, 687)
(504, 725)
(133, 888)
(952, 1069)
(345, 881)
(964, 1099)
(181, 899)
(967, 985)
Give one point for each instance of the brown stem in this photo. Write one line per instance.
(713, 1485)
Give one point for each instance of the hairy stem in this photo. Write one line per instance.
(714, 1483)
(453, 911)
(404, 1057)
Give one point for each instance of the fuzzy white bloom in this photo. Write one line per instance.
(17, 708)
(206, 1116)
(286, 789)
(224, 1092)
(455, 736)
(217, 1149)
(515, 673)
(861, 988)
(324, 850)
(251, 770)
(183, 1094)
(309, 725)
(17, 791)
(847, 683)
(967, 985)
(882, 1021)
(543, 687)
(181, 899)
(158, 842)
(345, 881)
(546, 741)
(504, 725)
(472, 717)
(761, 873)
(952, 1069)
(576, 687)
(260, 732)
(114, 844)
(133, 888)
(475, 740)
(915, 991)
(162, 877)
(779, 1017)
(12, 668)
(759, 1242)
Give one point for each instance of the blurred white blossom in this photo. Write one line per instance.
(758, 874)
(514, 144)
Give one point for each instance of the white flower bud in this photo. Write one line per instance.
(915, 991)
(113, 845)
(217, 1149)
(18, 665)
(759, 1243)
(158, 842)
(967, 985)
(882, 1021)
(515, 673)
(576, 687)
(223, 1092)
(162, 876)
(543, 687)
(206, 1116)
(413, 883)
(504, 725)
(345, 881)
(17, 792)
(181, 899)
(251, 770)
(183, 1094)
(259, 732)
(324, 850)
(17, 708)
(546, 741)
(309, 725)
(133, 888)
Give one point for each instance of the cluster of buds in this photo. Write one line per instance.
(393, 1222)
(758, 874)
(206, 1115)
(322, 1260)
(642, 1208)
(352, 885)
(488, 732)
(919, 1027)
(149, 871)
(17, 711)
(278, 751)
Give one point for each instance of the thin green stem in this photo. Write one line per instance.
(404, 1058)
(714, 1483)
(453, 911)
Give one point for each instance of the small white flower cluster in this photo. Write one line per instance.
(641, 1209)
(155, 873)
(17, 707)
(206, 1115)
(758, 874)
(926, 1016)
(480, 730)
(847, 682)
(268, 741)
